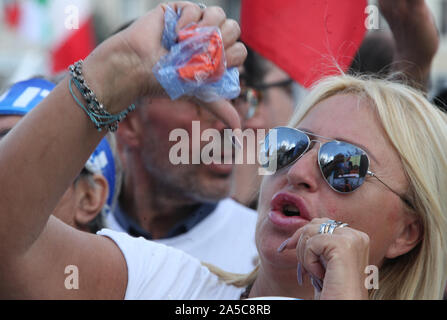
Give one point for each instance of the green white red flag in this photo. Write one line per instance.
(64, 27)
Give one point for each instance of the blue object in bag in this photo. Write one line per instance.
(195, 50)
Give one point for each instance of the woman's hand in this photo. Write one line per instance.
(336, 262)
(125, 61)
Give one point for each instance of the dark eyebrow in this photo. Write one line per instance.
(344, 140)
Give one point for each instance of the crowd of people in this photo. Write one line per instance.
(140, 227)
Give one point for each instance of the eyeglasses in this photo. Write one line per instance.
(344, 166)
(252, 96)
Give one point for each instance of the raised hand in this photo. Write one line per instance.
(334, 262)
(134, 52)
(416, 36)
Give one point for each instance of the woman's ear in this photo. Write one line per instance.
(93, 191)
(408, 238)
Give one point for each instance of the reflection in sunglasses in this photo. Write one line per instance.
(343, 165)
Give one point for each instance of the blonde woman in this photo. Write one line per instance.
(397, 217)
(360, 183)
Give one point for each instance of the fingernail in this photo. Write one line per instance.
(283, 246)
(320, 283)
(300, 274)
(317, 284)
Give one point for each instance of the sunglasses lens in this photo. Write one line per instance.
(283, 146)
(344, 166)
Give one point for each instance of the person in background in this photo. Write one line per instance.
(186, 206)
(93, 194)
(268, 99)
(408, 49)
(376, 54)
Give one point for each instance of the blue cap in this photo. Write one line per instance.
(23, 96)
(102, 161)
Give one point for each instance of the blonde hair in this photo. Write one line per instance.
(418, 131)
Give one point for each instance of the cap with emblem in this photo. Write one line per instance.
(102, 161)
(23, 96)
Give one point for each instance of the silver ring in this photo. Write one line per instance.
(330, 226)
(337, 225)
(322, 227)
(202, 6)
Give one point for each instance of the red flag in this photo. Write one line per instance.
(77, 45)
(307, 39)
(12, 13)
(73, 32)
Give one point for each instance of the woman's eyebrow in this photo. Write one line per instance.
(344, 140)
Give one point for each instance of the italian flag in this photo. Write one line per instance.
(64, 27)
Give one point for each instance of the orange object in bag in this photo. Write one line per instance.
(208, 65)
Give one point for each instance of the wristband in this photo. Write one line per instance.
(95, 110)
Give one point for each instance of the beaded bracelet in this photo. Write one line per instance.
(95, 110)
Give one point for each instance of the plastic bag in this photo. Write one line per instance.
(195, 64)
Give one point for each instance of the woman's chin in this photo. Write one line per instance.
(268, 245)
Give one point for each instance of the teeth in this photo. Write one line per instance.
(291, 210)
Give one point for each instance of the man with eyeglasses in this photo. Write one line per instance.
(184, 206)
(268, 99)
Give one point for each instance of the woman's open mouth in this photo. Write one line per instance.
(288, 212)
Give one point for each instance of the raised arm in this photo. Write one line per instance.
(416, 37)
(43, 154)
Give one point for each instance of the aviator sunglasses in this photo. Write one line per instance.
(344, 166)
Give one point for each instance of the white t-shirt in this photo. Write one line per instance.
(226, 238)
(159, 272)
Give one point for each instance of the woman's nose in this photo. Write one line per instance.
(304, 174)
